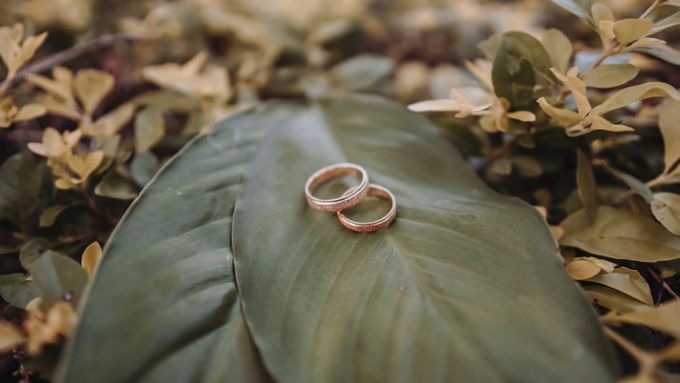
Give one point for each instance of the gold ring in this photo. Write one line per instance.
(378, 191)
(350, 198)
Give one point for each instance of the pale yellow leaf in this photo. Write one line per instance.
(600, 123)
(666, 209)
(605, 29)
(63, 76)
(578, 92)
(85, 164)
(29, 112)
(61, 107)
(149, 129)
(627, 281)
(7, 46)
(633, 183)
(440, 105)
(92, 162)
(38, 148)
(63, 184)
(629, 30)
(601, 12)
(662, 318)
(488, 123)
(522, 115)
(559, 48)
(667, 22)
(56, 88)
(610, 75)
(481, 69)
(564, 116)
(620, 234)
(34, 307)
(669, 124)
(635, 93)
(612, 299)
(601, 263)
(647, 42)
(91, 86)
(28, 49)
(112, 122)
(214, 82)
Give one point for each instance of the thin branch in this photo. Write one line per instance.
(647, 360)
(614, 47)
(663, 283)
(651, 8)
(608, 51)
(73, 52)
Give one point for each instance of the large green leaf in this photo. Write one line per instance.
(163, 306)
(465, 286)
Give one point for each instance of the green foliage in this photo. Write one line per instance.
(569, 119)
(171, 255)
(180, 276)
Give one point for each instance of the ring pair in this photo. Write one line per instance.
(351, 197)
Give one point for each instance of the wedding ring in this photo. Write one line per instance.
(350, 198)
(378, 191)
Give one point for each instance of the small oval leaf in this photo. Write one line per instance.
(610, 75)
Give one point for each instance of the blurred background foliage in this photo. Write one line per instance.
(97, 95)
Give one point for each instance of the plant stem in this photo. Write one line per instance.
(67, 55)
(615, 46)
(663, 283)
(611, 49)
(648, 361)
(6, 83)
(651, 8)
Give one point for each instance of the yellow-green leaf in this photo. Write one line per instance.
(559, 48)
(112, 122)
(564, 116)
(620, 234)
(90, 86)
(610, 75)
(633, 183)
(667, 22)
(627, 281)
(666, 209)
(613, 299)
(29, 112)
(629, 30)
(669, 124)
(149, 129)
(28, 49)
(601, 12)
(663, 318)
(57, 88)
(587, 187)
(635, 93)
(115, 185)
(601, 123)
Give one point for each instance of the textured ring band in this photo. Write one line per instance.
(350, 198)
(378, 191)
